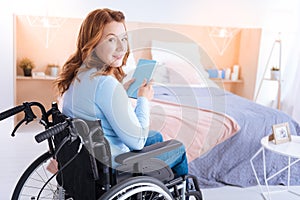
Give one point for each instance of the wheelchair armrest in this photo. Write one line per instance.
(148, 152)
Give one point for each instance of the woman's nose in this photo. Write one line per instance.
(121, 46)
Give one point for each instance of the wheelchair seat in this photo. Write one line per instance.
(143, 162)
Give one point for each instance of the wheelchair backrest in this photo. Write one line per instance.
(81, 173)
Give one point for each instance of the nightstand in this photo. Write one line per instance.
(290, 149)
(228, 85)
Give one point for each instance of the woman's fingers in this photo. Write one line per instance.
(151, 82)
(144, 83)
(131, 81)
(146, 89)
(147, 83)
(128, 83)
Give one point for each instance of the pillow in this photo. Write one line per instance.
(181, 58)
(161, 74)
(179, 70)
(130, 67)
(185, 50)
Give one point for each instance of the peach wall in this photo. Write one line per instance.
(200, 35)
(248, 59)
(40, 90)
(243, 49)
(31, 42)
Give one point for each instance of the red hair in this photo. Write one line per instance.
(91, 31)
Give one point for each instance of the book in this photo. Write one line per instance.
(143, 70)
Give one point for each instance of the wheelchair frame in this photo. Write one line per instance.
(140, 175)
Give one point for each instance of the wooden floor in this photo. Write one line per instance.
(19, 151)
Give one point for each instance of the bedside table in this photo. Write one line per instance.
(228, 85)
(290, 149)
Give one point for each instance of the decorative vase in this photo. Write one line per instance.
(275, 75)
(27, 71)
(54, 71)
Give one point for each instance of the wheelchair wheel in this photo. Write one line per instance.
(138, 188)
(193, 191)
(33, 179)
(194, 195)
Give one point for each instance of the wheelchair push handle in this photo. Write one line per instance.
(11, 112)
(51, 131)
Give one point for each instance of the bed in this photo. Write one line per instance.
(221, 131)
(225, 160)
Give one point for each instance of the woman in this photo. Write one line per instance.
(90, 83)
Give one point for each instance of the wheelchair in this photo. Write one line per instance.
(85, 171)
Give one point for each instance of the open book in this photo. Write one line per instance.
(144, 70)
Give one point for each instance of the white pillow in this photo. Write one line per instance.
(129, 68)
(185, 50)
(161, 73)
(130, 64)
(182, 61)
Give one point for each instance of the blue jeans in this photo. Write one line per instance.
(176, 158)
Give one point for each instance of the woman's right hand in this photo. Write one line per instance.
(146, 90)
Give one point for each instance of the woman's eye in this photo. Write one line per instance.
(125, 39)
(112, 39)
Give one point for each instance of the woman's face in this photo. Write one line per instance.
(113, 44)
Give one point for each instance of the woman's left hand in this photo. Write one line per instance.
(128, 83)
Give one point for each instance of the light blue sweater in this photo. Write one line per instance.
(103, 97)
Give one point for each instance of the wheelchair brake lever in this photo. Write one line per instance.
(17, 126)
(29, 115)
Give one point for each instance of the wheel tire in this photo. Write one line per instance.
(141, 186)
(194, 195)
(33, 179)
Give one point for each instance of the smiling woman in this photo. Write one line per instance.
(91, 87)
(94, 39)
(113, 46)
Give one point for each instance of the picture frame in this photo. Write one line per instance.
(281, 133)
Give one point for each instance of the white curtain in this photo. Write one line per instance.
(290, 98)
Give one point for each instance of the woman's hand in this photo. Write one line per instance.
(146, 90)
(128, 83)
